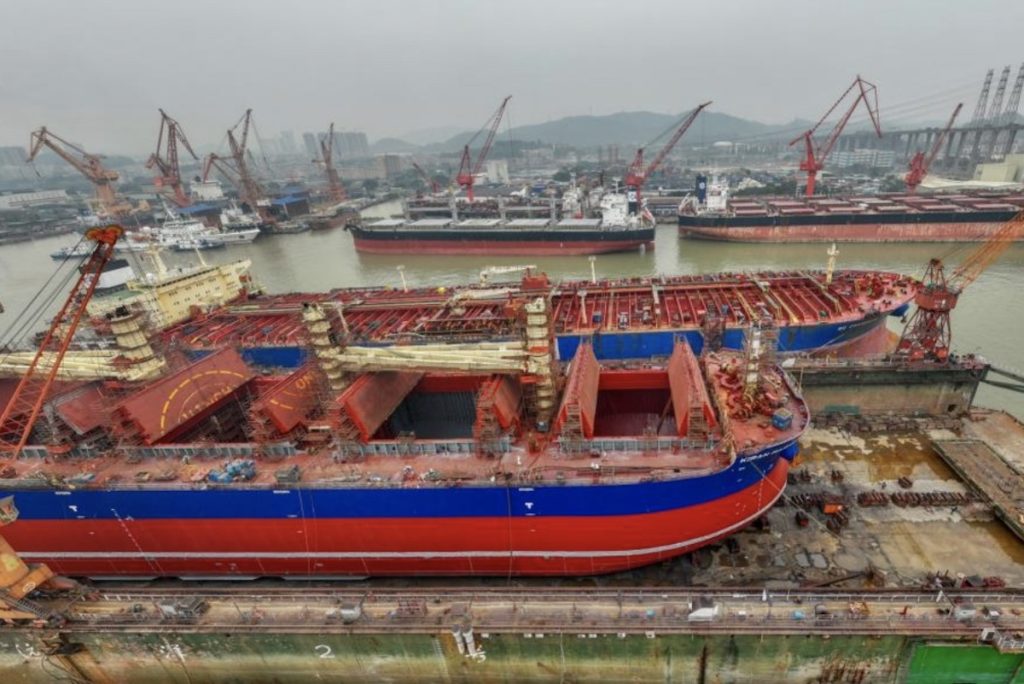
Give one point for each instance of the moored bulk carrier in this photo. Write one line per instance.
(962, 217)
(616, 230)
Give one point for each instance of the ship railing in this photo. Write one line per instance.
(631, 445)
(423, 447)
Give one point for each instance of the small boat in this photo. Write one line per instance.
(192, 244)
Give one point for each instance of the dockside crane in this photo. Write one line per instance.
(236, 166)
(335, 190)
(920, 163)
(468, 169)
(637, 175)
(26, 403)
(815, 154)
(431, 183)
(165, 159)
(89, 165)
(928, 335)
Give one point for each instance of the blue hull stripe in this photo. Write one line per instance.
(440, 502)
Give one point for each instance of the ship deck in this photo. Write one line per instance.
(379, 315)
(965, 207)
(420, 435)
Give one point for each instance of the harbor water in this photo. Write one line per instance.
(989, 319)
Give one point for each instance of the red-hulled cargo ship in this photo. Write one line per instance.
(216, 470)
(965, 217)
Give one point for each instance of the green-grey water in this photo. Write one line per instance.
(989, 319)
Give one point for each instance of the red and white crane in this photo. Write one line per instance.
(335, 190)
(637, 175)
(815, 154)
(468, 169)
(165, 159)
(89, 165)
(25, 405)
(920, 163)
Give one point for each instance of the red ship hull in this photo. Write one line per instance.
(868, 232)
(571, 545)
(523, 248)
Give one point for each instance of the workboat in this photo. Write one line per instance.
(455, 460)
(711, 214)
(620, 227)
(629, 318)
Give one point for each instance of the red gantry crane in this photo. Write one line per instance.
(469, 169)
(928, 335)
(638, 174)
(25, 405)
(815, 154)
(236, 166)
(920, 163)
(89, 165)
(335, 190)
(165, 159)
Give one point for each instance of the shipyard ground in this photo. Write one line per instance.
(840, 586)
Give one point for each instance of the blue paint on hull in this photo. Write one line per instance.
(333, 502)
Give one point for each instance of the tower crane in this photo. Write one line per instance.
(468, 169)
(638, 174)
(165, 159)
(335, 190)
(236, 166)
(434, 188)
(89, 165)
(25, 405)
(920, 163)
(928, 335)
(815, 154)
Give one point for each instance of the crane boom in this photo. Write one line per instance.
(335, 189)
(165, 159)
(928, 334)
(637, 175)
(978, 261)
(468, 169)
(920, 163)
(426, 178)
(814, 154)
(24, 406)
(89, 165)
(236, 167)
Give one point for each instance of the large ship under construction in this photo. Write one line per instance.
(949, 217)
(630, 318)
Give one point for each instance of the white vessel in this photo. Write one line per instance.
(234, 220)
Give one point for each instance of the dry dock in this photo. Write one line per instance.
(893, 557)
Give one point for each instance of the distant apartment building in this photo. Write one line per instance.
(287, 142)
(497, 171)
(351, 145)
(20, 200)
(870, 158)
(390, 165)
(309, 141)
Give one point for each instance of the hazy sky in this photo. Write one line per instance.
(96, 71)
